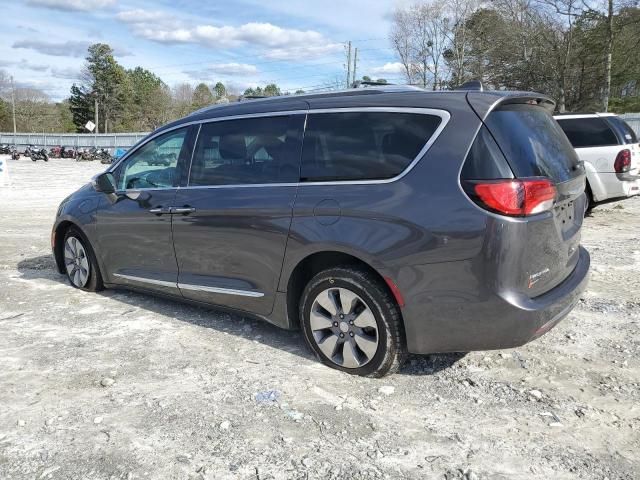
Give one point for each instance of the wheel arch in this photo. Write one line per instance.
(316, 262)
(60, 231)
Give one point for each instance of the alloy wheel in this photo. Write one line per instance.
(76, 262)
(344, 327)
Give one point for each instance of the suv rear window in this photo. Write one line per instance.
(588, 132)
(363, 145)
(624, 130)
(533, 143)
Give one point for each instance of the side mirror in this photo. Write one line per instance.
(104, 183)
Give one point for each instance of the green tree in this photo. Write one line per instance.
(82, 107)
(202, 97)
(106, 81)
(219, 90)
(150, 100)
(271, 90)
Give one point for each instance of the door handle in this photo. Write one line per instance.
(159, 210)
(183, 210)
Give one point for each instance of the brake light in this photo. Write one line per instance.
(623, 161)
(516, 198)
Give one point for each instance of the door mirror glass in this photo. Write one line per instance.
(104, 183)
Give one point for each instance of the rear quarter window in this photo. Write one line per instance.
(363, 145)
(588, 132)
(533, 143)
(625, 132)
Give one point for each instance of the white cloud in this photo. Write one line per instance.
(393, 68)
(68, 73)
(71, 5)
(283, 43)
(70, 48)
(233, 69)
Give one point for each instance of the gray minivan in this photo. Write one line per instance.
(379, 221)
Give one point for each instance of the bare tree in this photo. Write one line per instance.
(420, 35)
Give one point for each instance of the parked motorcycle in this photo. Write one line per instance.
(55, 152)
(68, 152)
(15, 154)
(36, 153)
(5, 149)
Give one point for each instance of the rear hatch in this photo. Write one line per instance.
(535, 156)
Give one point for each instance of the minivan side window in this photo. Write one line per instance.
(363, 145)
(259, 150)
(153, 165)
(588, 132)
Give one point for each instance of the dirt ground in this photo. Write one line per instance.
(120, 385)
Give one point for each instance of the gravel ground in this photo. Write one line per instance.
(120, 385)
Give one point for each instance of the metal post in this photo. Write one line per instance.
(95, 131)
(13, 103)
(355, 64)
(349, 64)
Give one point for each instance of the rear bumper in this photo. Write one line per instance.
(489, 321)
(618, 185)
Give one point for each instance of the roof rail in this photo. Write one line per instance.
(471, 85)
(251, 97)
(369, 83)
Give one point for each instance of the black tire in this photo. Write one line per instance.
(390, 349)
(589, 203)
(94, 282)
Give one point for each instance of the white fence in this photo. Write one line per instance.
(105, 140)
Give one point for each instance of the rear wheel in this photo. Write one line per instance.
(80, 262)
(351, 322)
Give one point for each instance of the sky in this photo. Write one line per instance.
(296, 44)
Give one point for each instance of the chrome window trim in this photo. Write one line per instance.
(152, 135)
(444, 115)
(224, 291)
(161, 283)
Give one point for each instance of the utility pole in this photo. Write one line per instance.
(95, 131)
(355, 64)
(13, 105)
(349, 64)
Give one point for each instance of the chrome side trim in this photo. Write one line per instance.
(161, 283)
(224, 291)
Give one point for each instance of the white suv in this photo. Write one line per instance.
(609, 148)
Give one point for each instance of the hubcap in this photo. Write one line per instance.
(344, 328)
(76, 262)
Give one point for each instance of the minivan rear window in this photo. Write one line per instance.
(363, 145)
(533, 143)
(588, 132)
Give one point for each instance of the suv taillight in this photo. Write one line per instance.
(513, 197)
(623, 161)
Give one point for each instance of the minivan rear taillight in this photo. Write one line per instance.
(513, 197)
(623, 161)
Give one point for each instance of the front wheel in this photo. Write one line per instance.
(80, 262)
(352, 323)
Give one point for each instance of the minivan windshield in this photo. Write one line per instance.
(533, 142)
